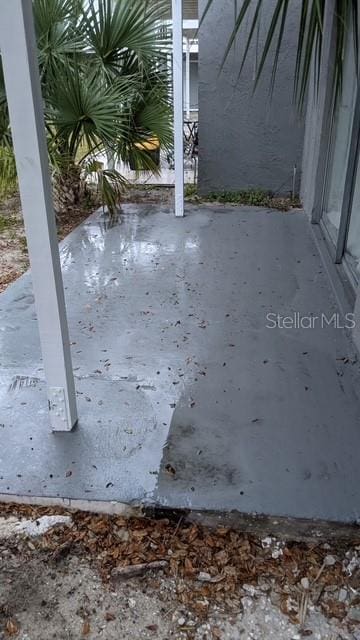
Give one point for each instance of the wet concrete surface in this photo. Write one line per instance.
(186, 398)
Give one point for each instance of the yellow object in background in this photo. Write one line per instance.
(152, 144)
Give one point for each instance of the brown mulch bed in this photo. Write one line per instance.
(211, 566)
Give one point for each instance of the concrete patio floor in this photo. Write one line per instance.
(186, 399)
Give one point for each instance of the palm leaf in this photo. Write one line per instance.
(311, 53)
(59, 35)
(111, 184)
(105, 83)
(153, 121)
(279, 16)
(82, 110)
(124, 35)
(250, 36)
(309, 39)
(238, 22)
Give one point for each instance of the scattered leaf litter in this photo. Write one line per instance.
(211, 573)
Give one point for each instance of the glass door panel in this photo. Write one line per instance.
(339, 146)
(352, 253)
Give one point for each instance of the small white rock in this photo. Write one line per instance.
(342, 595)
(266, 542)
(247, 602)
(132, 603)
(204, 577)
(354, 614)
(305, 583)
(181, 622)
(329, 561)
(250, 589)
(122, 534)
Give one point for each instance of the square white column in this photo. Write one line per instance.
(21, 73)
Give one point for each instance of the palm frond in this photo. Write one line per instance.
(82, 110)
(110, 183)
(138, 157)
(125, 34)
(59, 35)
(309, 49)
(50, 12)
(153, 121)
(309, 39)
(106, 87)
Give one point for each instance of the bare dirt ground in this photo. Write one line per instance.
(13, 253)
(76, 580)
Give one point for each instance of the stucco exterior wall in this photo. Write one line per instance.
(246, 140)
(194, 83)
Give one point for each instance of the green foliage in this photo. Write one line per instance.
(249, 197)
(249, 14)
(190, 190)
(8, 181)
(110, 183)
(254, 197)
(105, 84)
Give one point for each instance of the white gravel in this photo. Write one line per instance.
(48, 600)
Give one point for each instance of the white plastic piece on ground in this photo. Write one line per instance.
(31, 528)
(274, 544)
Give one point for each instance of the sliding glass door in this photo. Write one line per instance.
(340, 138)
(352, 237)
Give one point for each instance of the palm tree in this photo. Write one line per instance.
(309, 39)
(105, 84)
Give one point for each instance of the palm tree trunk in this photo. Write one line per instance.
(68, 190)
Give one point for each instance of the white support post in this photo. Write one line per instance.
(187, 79)
(178, 106)
(21, 73)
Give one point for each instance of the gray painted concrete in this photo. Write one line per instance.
(246, 140)
(315, 160)
(185, 398)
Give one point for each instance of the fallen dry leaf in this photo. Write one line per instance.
(11, 628)
(170, 469)
(189, 569)
(86, 628)
(212, 564)
(110, 616)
